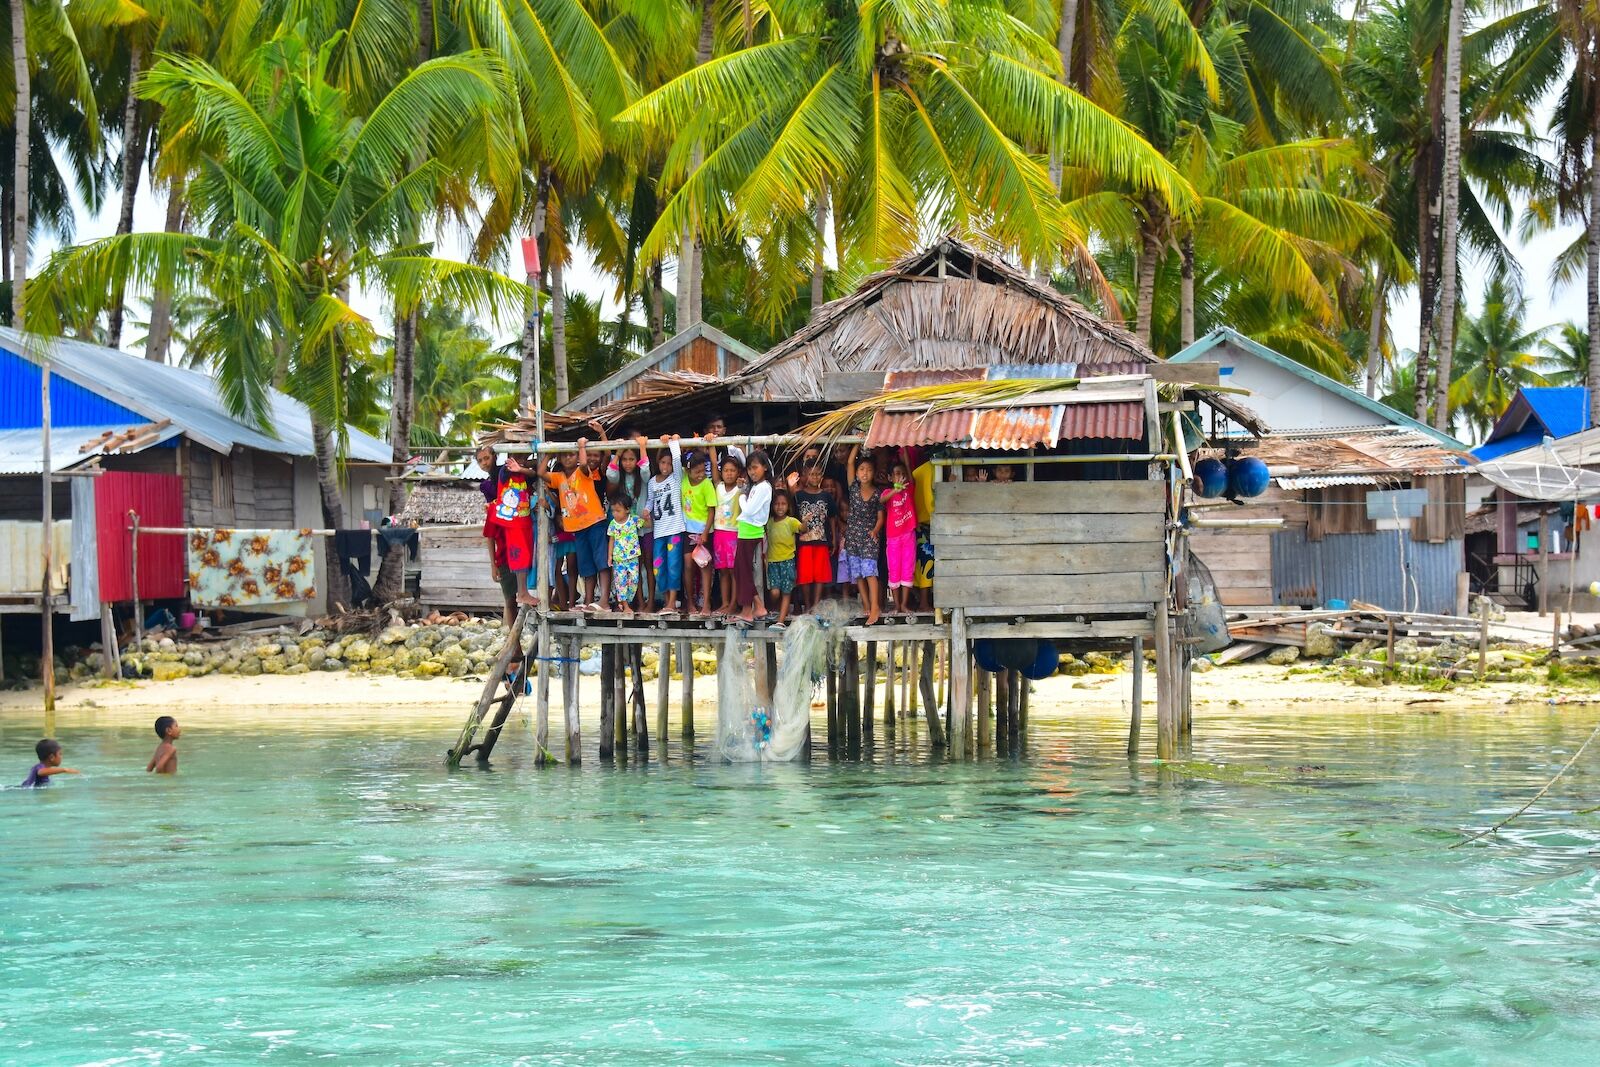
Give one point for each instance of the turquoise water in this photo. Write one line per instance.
(302, 893)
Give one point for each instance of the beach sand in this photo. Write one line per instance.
(1243, 688)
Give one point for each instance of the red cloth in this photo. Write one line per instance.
(813, 564)
(158, 500)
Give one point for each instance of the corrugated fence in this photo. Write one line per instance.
(1366, 567)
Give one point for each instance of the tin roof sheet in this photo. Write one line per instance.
(1017, 428)
(189, 398)
(1010, 428)
(1121, 420)
(22, 450)
(913, 379)
(897, 428)
(1322, 481)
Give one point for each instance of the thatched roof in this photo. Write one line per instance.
(949, 305)
(443, 504)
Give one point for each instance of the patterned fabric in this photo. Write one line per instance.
(625, 580)
(624, 540)
(781, 576)
(859, 522)
(233, 568)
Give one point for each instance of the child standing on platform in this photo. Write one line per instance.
(818, 512)
(755, 506)
(628, 474)
(725, 531)
(900, 536)
(782, 530)
(667, 528)
(623, 533)
(699, 501)
(863, 526)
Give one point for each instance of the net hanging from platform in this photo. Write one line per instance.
(749, 731)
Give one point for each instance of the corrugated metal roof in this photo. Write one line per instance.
(914, 379)
(1018, 428)
(70, 403)
(188, 397)
(1322, 481)
(22, 451)
(1001, 371)
(1120, 420)
(897, 428)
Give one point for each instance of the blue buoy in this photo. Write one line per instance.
(1248, 477)
(983, 655)
(1210, 477)
(1045, 663)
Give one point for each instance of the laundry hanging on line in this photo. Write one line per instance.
(236, 568)
(390, 537)
(354, 550)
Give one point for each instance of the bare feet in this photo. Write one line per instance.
(872, 615)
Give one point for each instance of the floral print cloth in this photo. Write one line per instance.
(234, 568)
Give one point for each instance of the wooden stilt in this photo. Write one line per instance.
(985, 682)
(850, 700)
(960, 683)
(641, 719)
(569, 701)
(869, 704)
(1166, 688)
(619, 704)
(491, 689)
(914, 660)
(686, 669)
(763, 678)
(541, 721)
(891, 683)
(930, 698)
(1024, 690)
(663, 694)
(1185, 662)
(109, 652)
(491, 736)
(1017, 686)
(1137, 711)
(1002, 712)
(832, 686)
(608, 701)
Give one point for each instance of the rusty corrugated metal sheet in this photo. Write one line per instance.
(896, 428)
(1018, 428)
(1122, 420)
(913, 379)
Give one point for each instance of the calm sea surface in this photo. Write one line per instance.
(330, 891)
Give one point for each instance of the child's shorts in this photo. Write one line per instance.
(594, 550)
(668, 562)
(724, 547)
(813, 564)
(564, 545)
(781, 577)
(854, 568)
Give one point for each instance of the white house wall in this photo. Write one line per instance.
(1287, 401)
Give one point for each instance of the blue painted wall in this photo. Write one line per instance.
(70, 403)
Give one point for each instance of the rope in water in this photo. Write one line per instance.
(1536, 797)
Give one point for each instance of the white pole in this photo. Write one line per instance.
(47, 653)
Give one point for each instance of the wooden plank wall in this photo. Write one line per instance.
(1048, 547)
(455, 571)
(1240, 562)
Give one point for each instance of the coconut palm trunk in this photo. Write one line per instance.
(1428, 172)
(1375, 332)
(22, 117)
(656, 302)
(158, 339)
(689, 247)
(818, 267)
(1186, 291)
(1592, 249)
(558, 331)
(530, 341)
(1149, 260)
(1449, 211)
(132, 166)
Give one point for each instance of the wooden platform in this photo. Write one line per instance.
(927, 626)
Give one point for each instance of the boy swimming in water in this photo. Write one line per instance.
(49, 753)
(165, 761)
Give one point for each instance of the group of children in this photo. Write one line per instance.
(714, 531)
(48, 751)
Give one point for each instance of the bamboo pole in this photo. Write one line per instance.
(1483, 637)
(663, 694)
(960, 683)
(47, 615)
(569, 701)
(133, 566)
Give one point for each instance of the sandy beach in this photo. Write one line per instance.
(1244, 688)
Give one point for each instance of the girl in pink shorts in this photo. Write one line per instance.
(900, 536)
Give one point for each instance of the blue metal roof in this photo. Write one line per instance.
(1537, 412)
(140, 390)
(70, 403)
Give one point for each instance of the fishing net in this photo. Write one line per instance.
(1545, 478)
(750, 731)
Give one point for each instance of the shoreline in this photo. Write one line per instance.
(1241, 689)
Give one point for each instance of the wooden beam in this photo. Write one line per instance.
(960, 683)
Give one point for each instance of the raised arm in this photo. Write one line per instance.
(677, 456)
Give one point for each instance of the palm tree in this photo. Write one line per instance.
(1449, 214)
(1498, 355)
(1566, 355)
(907, 119)
(42, 37)
(302, 200)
